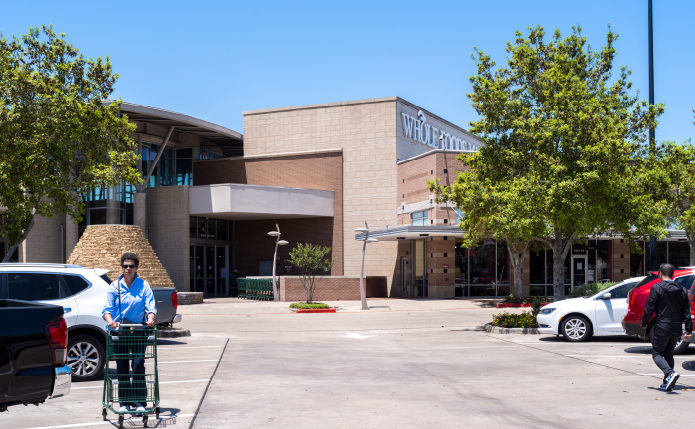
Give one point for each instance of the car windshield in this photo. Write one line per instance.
(620, 290)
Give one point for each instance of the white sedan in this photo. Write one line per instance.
(578, 319)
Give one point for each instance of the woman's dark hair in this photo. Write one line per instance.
(132, 256)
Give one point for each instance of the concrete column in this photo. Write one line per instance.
(72, 236)
(140, 211)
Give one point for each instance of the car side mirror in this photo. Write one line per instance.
(606, 295)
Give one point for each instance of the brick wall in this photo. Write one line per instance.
(334, 288)
(314, 171)
(621, 260)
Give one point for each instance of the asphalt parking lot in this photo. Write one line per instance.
(402, 364)
(185, 368)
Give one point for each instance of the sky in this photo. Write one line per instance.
(215, 59)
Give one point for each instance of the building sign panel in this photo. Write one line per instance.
(426, 133)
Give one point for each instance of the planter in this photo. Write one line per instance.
(503, 305)
(314, 310)
(500, 330)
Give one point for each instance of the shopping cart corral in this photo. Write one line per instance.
(131, 341)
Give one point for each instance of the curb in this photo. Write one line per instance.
(499, 330)
(314, 310)
(173, 333)
(503, 305)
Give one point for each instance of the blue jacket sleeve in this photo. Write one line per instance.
(111, 301)
(149, 301)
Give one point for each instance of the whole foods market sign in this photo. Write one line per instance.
(419, 130)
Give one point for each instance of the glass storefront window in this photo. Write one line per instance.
(637, 261)
(419, 267)
(461, 271)
(222, 229)
(193, 227)
(212, 228)
(202, 228)
(679, 253)
(419, 218)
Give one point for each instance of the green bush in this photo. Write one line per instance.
(589, 289)
(304, 305)
(507, 320)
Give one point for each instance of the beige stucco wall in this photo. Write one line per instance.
(370, 134)
(43, 242)
(167, 217)
(366, 132)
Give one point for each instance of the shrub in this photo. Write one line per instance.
(589, 289)
(508, 320)
(304, 305)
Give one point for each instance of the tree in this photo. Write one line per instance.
(565, 140)
(492, 209)
(312, 263)
(57, 137)
(676, 179)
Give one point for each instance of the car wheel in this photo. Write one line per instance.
(681, 347)
(576, 328)
(85, 357)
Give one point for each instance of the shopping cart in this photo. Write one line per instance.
(136, 341)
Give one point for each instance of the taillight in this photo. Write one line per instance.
(175, 300)
(57, 333)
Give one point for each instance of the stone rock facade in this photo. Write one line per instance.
(188, 298)
(101, 246)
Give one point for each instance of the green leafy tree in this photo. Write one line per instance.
(492, 209)
(675, 177)
(567, 139)
(57, 137)
(312, 264)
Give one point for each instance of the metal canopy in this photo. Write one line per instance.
(230, 141)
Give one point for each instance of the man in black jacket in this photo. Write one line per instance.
(669, 302)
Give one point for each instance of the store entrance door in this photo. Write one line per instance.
(209, 270)
(578, 271)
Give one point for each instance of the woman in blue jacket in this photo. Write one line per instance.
(130, 301)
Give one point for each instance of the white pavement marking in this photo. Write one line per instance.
(628, 356)
(183, 361)
(161, 382)
(661, 375)
(356, 335)
(107, 422)
(179, 348)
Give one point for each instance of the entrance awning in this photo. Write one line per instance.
(409, 232)
(250, 202)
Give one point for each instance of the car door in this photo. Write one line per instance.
(610, 312)
(42, 287)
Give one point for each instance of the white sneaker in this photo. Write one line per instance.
(139, 409)
(123, 409)
(671, 381)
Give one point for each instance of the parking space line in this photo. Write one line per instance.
(179, 348)
(161, 382)
(107, 422)
(183, 361)
(661, 375)
(627, 356)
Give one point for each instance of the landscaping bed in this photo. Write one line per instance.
(518, 305)
(313, 307)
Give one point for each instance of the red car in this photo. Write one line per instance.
(637, 298)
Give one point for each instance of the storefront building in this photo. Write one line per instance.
(318, 172)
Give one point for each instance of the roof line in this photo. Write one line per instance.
(180, 117)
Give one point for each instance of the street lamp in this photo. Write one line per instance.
(278, 242)
(366, 240)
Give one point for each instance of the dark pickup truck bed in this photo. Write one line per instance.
(31, 337)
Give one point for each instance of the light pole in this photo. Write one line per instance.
(278, 242)
(366, 240)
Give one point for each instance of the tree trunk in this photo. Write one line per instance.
(16, 244)
(517, 265)
(560, 248)
(691, 241)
